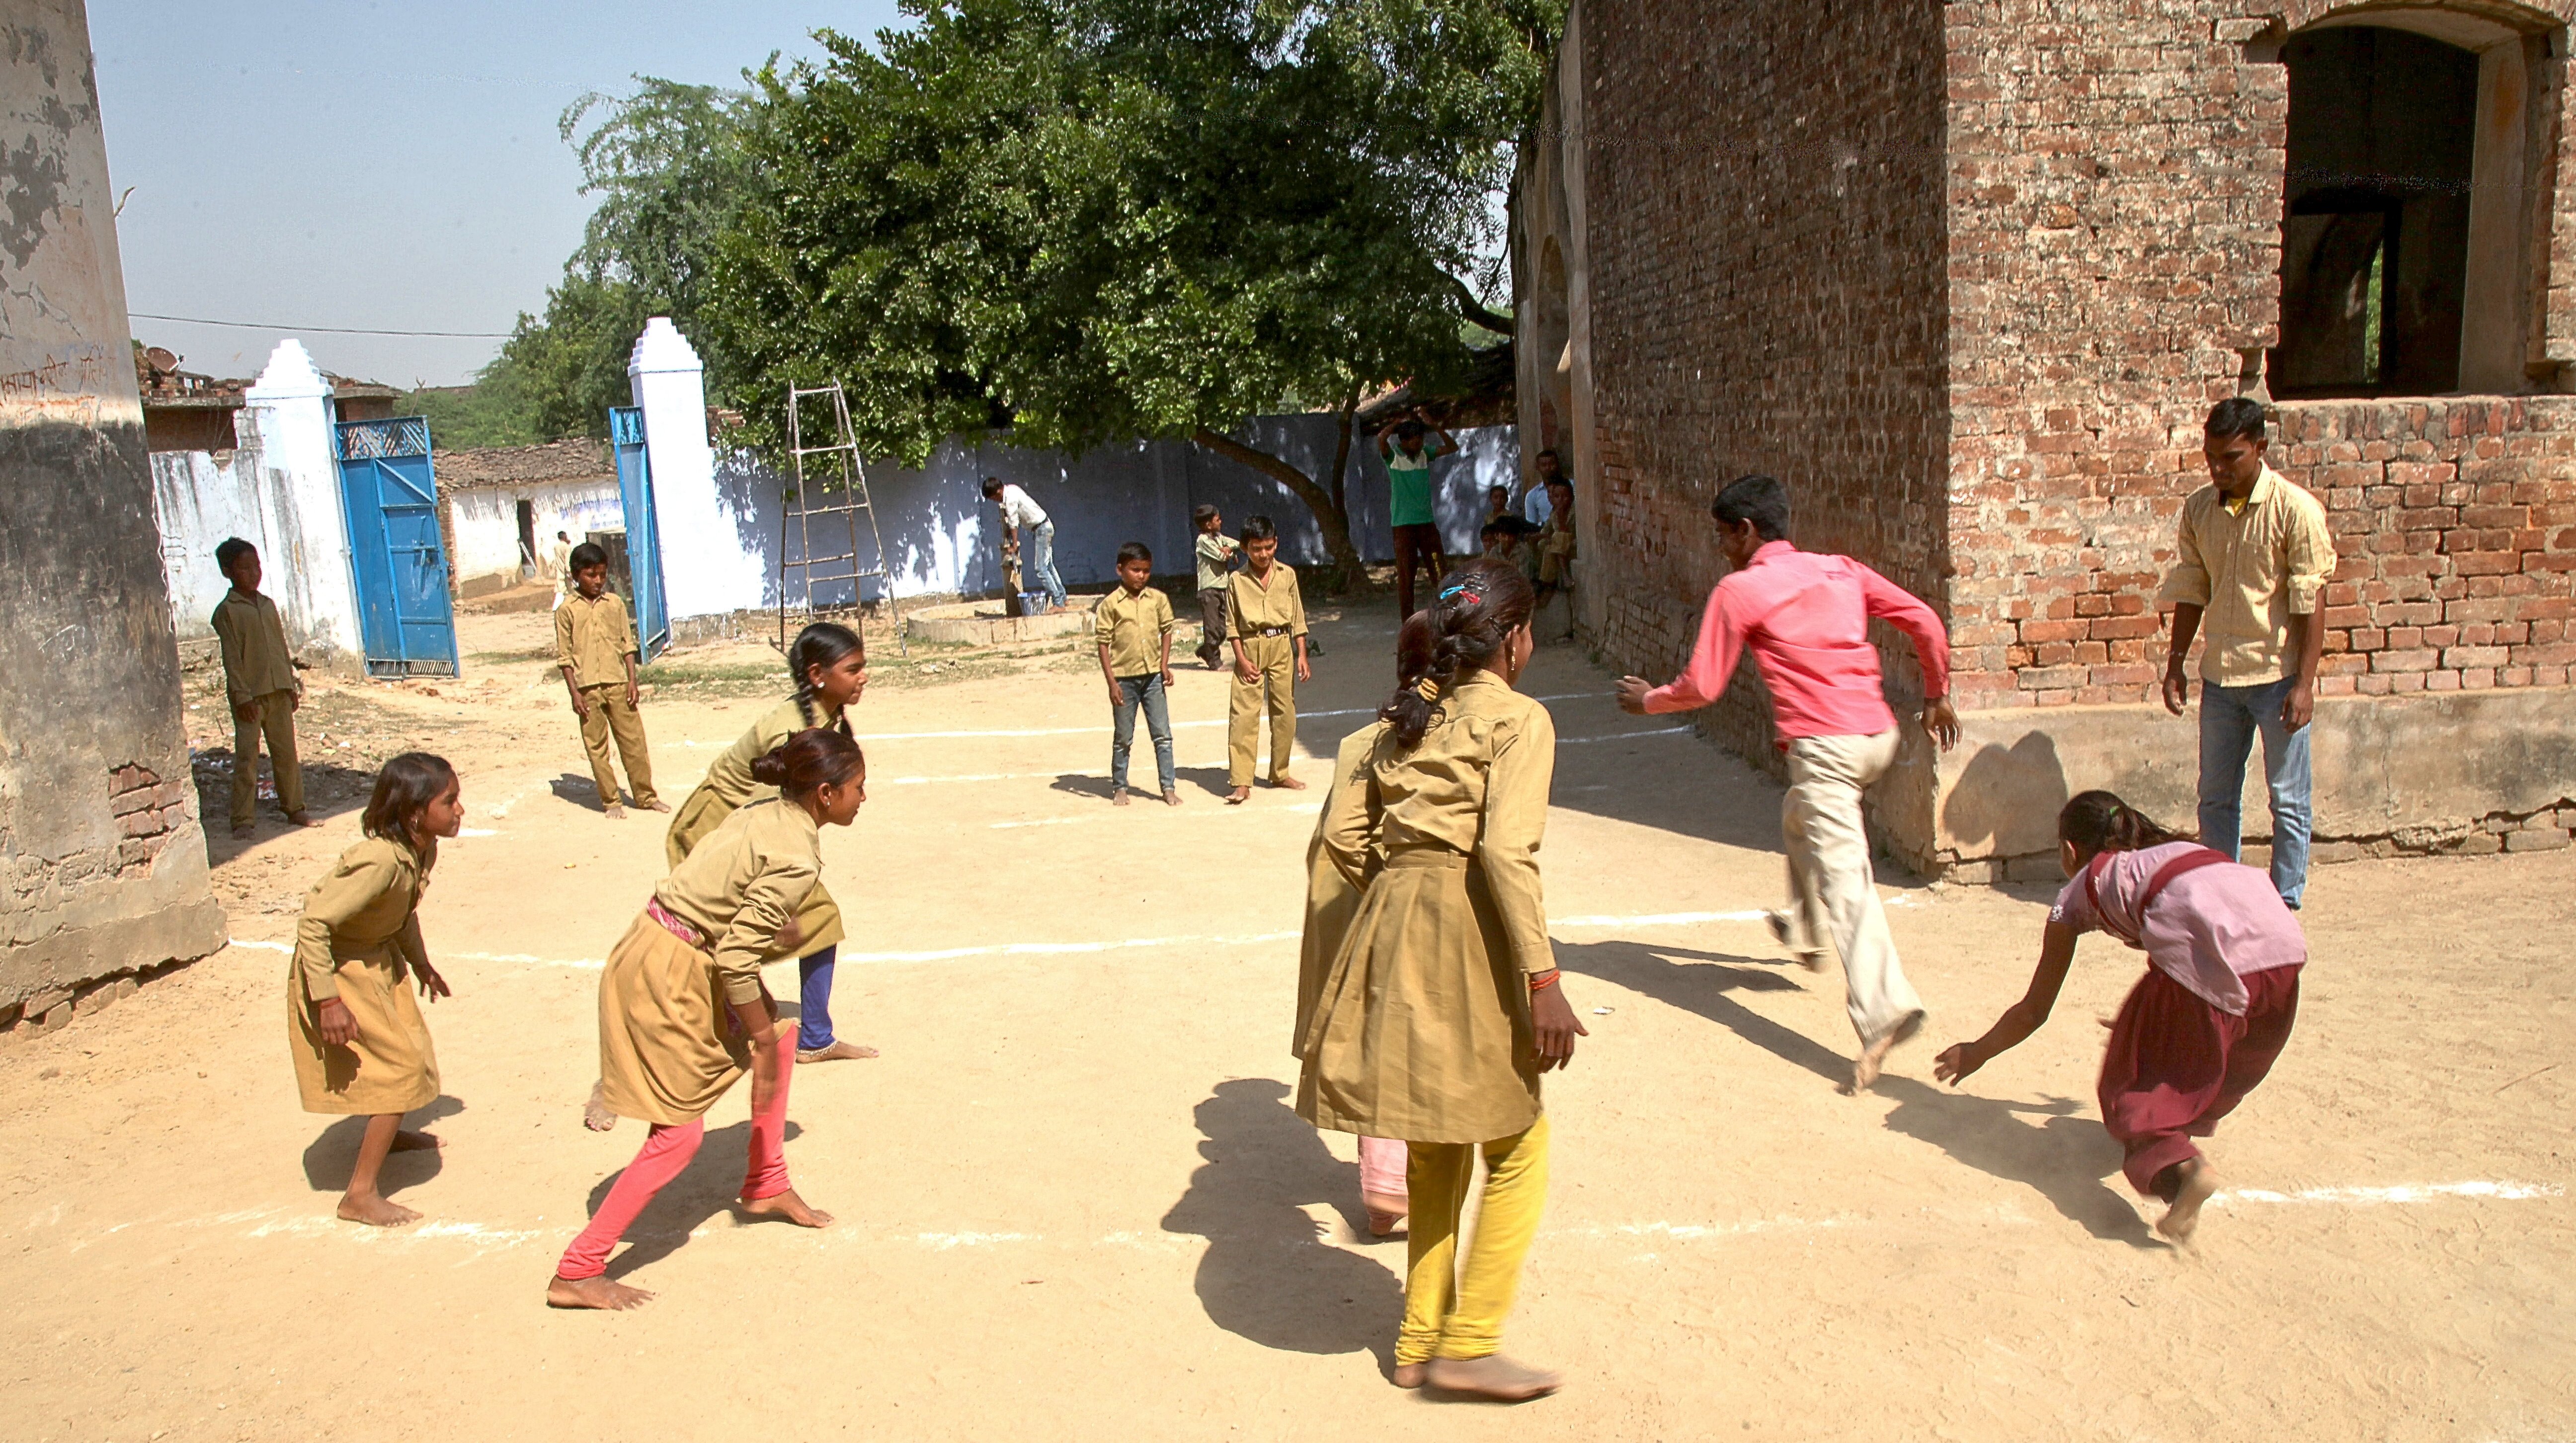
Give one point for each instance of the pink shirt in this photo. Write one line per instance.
(2206, 930)
(1806, 616)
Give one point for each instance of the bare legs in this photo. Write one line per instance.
(362, 1203)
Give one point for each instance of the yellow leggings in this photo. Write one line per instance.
(1450, 1312)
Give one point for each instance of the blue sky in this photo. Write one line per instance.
(386, 165)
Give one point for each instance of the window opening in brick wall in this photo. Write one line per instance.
(2375, 247)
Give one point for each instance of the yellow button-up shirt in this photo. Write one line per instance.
(367, 906)
(593, 638)
(2251, 570)
(255, 657)
(1252, 607)
(742, 884)
(1133, 628)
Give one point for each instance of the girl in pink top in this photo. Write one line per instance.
(2206, 1022)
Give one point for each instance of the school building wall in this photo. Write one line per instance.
(1969, 277)
(102, 865)
(482, 525)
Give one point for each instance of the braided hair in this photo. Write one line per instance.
(2099, 821)
(1479, 607)
(820, 644)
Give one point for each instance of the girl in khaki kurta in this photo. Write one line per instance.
(1441, 1008)
(357, 1036)
(831, 671)
(683, 1013)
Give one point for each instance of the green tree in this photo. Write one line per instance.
(497, 410)
(1095, 220)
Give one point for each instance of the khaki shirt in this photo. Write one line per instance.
(594, 638)
(742, 884)
(1251, 607)
(1477, 785)
(255, 657)
(1212, 551)
(365, 906)
(2252, 571)
(730, 777)
(1133, 628)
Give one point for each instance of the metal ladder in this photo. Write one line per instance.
(839, 489)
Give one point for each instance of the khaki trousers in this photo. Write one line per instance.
(611, 713)
(1274, 691)
(273, 716)
(1831, 891)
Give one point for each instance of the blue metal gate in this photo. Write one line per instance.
(405, 623)
(643, 532)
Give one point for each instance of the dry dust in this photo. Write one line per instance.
(1074, 1202)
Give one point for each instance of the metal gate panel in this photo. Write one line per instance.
(406, 621)
(643, 531)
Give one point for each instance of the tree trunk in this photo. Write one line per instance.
(1329, 516)
(1342, 450)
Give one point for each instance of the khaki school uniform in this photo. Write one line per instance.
(357, 942)
(1133, 628)
(1332, 899)
(729, 786)
(1421, 1026)
(259, 672)
(593, 638)
(1267, 619)
(669, 1044)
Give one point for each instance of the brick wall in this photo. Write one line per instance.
(1765, 237)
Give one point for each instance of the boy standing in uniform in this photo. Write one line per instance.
(1135, 634)
(261, 685)
(1266, 617)
(595, 647)
(1216, 552)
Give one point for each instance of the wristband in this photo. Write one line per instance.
(1541, 981)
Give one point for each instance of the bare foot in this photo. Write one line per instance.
(1409, 1375)
(374, 1211)
(613, 812)
(1383, 1224)
(1873, 1058)
(655, 805)
(840, 1050)
(1171, 798)
(1497, 1377)
(1287, 783)
(599, 1293)
(1779, 924)
(594, 1113)
(1238, 796)
(410, 1141)
(303, 819)
(785, 1205)
(1118, 797)
(2179, 1221)
(246, 829)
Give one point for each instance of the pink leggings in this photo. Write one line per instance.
(1382, 1162)
(665, 1155)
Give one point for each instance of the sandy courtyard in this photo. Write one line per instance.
(1074, 1203)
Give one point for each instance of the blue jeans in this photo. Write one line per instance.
(2229, 718)
(814, 1000)
(1042, 562)
(1145, 691)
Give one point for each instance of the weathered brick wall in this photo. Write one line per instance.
(1766, 246)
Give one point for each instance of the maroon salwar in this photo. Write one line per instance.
(2177, 1064)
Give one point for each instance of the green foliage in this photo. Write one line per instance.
(497, 410)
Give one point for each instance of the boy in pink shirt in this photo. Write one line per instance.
(1805, 617)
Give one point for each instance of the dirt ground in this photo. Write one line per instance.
(1073, 1201)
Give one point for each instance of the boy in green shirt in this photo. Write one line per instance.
(1408, 446)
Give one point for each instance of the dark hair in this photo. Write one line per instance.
(1496, 528)
(1258, 528)
(1565, 481)
(2235, 416)
(1478, 607)
(1498, 486)
(587, 555)
(821, 644)
(230, 550)
(1201, 515)
(1411, 430)
(813, 758)
(2099, 821)
(992, 485)
(1135, 551)
(1761, 500)
(404, 786)
(1550, 452)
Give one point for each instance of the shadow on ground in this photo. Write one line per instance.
(1266, 1274)
(2045, 1146)
(329, 1157)
(329, 790)
(713, 1179)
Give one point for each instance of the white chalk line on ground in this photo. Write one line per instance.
(865, 737)
(2401, 1193)
(1148, 799)
(1079, 772)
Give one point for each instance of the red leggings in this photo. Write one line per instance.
(2176, 1065)
(665, 1155)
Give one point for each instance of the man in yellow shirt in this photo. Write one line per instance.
(2254, 558)
(595, 648)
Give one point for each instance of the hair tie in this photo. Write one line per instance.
(1428, 689)
(1460, 588)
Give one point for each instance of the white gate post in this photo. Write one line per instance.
(306, 552)
(706, 570)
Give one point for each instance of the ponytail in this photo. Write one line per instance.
(1478, 608)
(2098, 821)
(820, 644)
(808, 761)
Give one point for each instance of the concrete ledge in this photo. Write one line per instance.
(48, 971)
(2420, 773)
(984, 623)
